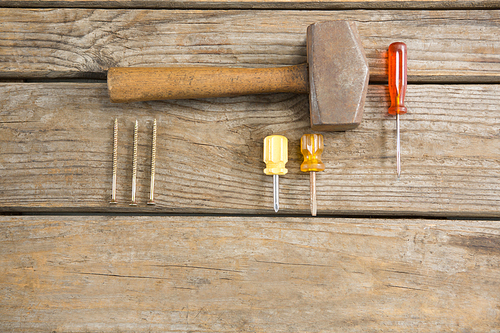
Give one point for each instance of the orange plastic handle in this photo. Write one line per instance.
(311, 146)
(397, 77)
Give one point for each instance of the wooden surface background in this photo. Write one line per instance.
(419, 253)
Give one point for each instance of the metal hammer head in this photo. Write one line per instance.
(338, 75)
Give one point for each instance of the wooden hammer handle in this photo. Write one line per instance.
(148, 84)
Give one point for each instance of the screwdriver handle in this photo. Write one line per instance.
(275, 154)
(149, 84)
(311, 147)
(397, 77)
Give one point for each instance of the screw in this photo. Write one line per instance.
(134, 165)
(115, 162)
(153, 166)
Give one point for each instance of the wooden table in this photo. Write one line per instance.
(419, 253)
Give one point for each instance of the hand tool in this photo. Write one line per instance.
(311, 146)
(275, 157)
(153, 166)
(335, 76)
(134, 165)
(397, 90)
(115, 162)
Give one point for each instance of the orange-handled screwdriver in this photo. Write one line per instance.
(311, 146)
(397, 90)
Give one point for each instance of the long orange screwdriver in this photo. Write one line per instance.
(397, 90)
(275, 157)
(311, 146)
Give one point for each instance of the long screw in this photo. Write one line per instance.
(153, 166)
(134, 165)
(115, 162)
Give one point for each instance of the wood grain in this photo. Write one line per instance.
(261, 4)
(216, 274)
(443, 46)
(56, 153)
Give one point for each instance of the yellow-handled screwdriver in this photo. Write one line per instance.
(311, 146)
(275, 157)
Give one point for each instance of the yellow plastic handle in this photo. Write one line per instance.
(275, 154)
(311, 146)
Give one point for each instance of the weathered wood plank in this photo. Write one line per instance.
(56, 153)
(216, 274)
(444, 46)
(261, 4)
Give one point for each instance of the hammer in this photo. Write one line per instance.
(335, 76)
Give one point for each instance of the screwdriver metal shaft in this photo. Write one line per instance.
(312, 183)
(398, 147)
(276, 192)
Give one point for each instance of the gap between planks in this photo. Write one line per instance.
(260, 5)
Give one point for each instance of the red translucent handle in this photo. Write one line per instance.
(397, 78)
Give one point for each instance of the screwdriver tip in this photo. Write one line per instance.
(276, 200)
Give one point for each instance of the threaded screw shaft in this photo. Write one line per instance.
(115, 161)
(134, 164)
(153, 166)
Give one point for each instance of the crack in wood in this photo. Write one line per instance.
(200, 267)
(122, 276)
(291, 264)
(403, 287)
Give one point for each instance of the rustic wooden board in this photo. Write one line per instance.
(261, 4)
(216, 274)
(444, 46)
(56, 153)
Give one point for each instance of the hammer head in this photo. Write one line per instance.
(338, 75)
